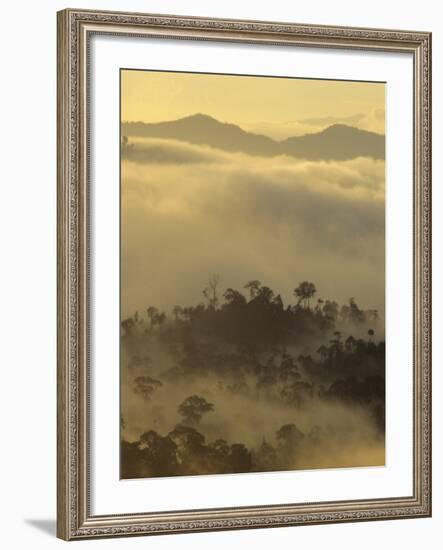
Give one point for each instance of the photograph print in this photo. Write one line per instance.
(252, 274)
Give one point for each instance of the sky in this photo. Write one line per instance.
(189, 210)
(278, 107)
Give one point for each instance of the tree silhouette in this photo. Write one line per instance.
(289, 439)
(146, 386)
(297, 393)
(221, 447)
(265, 458)
(177, 312)
(152, 314)
(330, 309)
(265, 384)
(264, 295)
(240, 458)
(210, 292)
(288, 368)
(155, 317)
(193, 408)
(253, 287)
(304, 292)
(159, 452)
(234, 298)
(128, 326)
(350, 344)
(125, 145)
(323, 352)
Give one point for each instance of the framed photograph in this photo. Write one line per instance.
(244, 249)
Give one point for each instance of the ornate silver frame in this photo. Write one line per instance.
(74, 518)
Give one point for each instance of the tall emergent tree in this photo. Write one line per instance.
(304, 292)
(210, 292)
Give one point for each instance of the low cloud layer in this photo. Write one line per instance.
(189, 211)
(372, 121)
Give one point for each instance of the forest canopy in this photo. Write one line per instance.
(308, 375)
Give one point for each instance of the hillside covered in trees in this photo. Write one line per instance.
(242, 382)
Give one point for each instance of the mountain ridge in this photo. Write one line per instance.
(336, 142)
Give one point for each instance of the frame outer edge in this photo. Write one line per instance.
(63, 145)
(427, 247)
(429, 143)
(72, 509)
(422, 290)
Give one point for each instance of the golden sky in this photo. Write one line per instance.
(276, 106)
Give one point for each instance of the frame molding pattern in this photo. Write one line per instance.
(75, 27)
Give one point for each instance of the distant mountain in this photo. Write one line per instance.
(337, 142)
(205, 130)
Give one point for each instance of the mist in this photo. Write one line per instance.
(244, 217)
